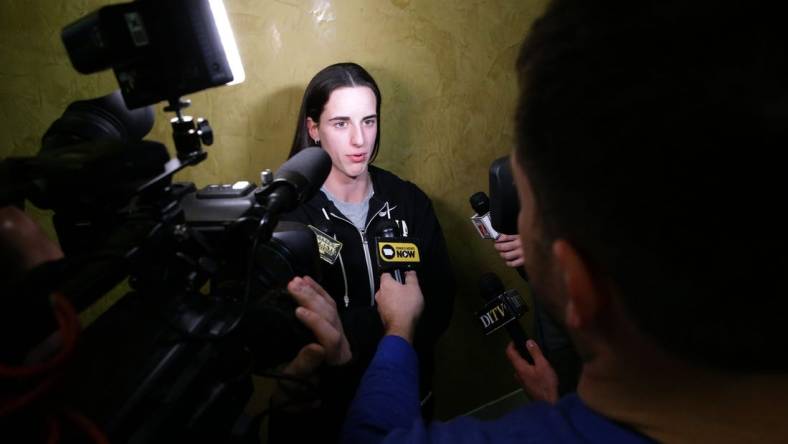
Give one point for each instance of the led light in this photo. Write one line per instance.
(228, 41)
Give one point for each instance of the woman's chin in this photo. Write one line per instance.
(357, 170)
(354, 171)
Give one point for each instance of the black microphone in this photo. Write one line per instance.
(504, 204)
(481, 219)
(395, 253)
(500, 209)
(296, 181)
(388, 231)
(502, 309)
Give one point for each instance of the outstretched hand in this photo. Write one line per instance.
(539, 380)
(318, 312)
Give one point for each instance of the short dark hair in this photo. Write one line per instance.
(652, 134)
(319, 91)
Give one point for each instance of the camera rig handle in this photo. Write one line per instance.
(188, 134)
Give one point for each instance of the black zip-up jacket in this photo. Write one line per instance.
(353, 279)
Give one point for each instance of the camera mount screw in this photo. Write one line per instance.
(266, 177)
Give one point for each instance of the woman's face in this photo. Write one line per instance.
(347, 129)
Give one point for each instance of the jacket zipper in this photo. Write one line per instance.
(367, 258)
(346, 298)
(369, 268)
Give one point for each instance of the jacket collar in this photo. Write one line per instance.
(378, 202)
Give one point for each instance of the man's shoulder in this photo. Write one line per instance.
(569, 421)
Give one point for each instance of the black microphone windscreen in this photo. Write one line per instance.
(490, 286)
(504, 203)
(310, 166)
(387, 228)
(480, 203)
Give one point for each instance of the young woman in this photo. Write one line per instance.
(340, 112)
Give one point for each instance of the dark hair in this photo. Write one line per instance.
(652, 134)
(319, 91)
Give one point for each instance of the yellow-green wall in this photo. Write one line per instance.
(446, 71)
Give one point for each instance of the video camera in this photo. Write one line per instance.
(172, 359)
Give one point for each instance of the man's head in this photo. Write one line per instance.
(650, 138)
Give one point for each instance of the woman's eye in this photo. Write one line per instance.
(370, 122)
(340, 124)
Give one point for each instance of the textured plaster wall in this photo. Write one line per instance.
(446, 70)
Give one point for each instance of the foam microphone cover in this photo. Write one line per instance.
(307, 171)
(480, 203)
(504, 203)
(490, 286)
(387, 228)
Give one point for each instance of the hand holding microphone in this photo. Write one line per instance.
(400, 306)
(508, 246)
(399, 298)
(502, 309)
(395, 253)
(537, 378)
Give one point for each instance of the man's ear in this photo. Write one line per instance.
(585, 300)
(311, 126)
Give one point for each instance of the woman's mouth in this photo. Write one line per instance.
(357, 158)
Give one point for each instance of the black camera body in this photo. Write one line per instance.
(205, 268)
(202, 271)
(173, 358)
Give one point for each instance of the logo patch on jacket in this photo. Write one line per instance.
(327, 246)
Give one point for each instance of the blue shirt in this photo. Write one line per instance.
(386, 409)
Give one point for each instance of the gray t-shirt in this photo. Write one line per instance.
(356, 212)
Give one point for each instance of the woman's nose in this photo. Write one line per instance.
(357, 139)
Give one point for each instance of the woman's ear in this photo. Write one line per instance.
(311, 126)
(584, 299)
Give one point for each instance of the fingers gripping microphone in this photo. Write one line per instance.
(501, 208)
(481, 220)
(503, 308)
(395, 253)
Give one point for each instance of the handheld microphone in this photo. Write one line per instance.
(296, 181)
(395, 253)
(502, 206)
(502, 309)
(481, 220)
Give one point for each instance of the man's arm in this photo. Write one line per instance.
(388, 397)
